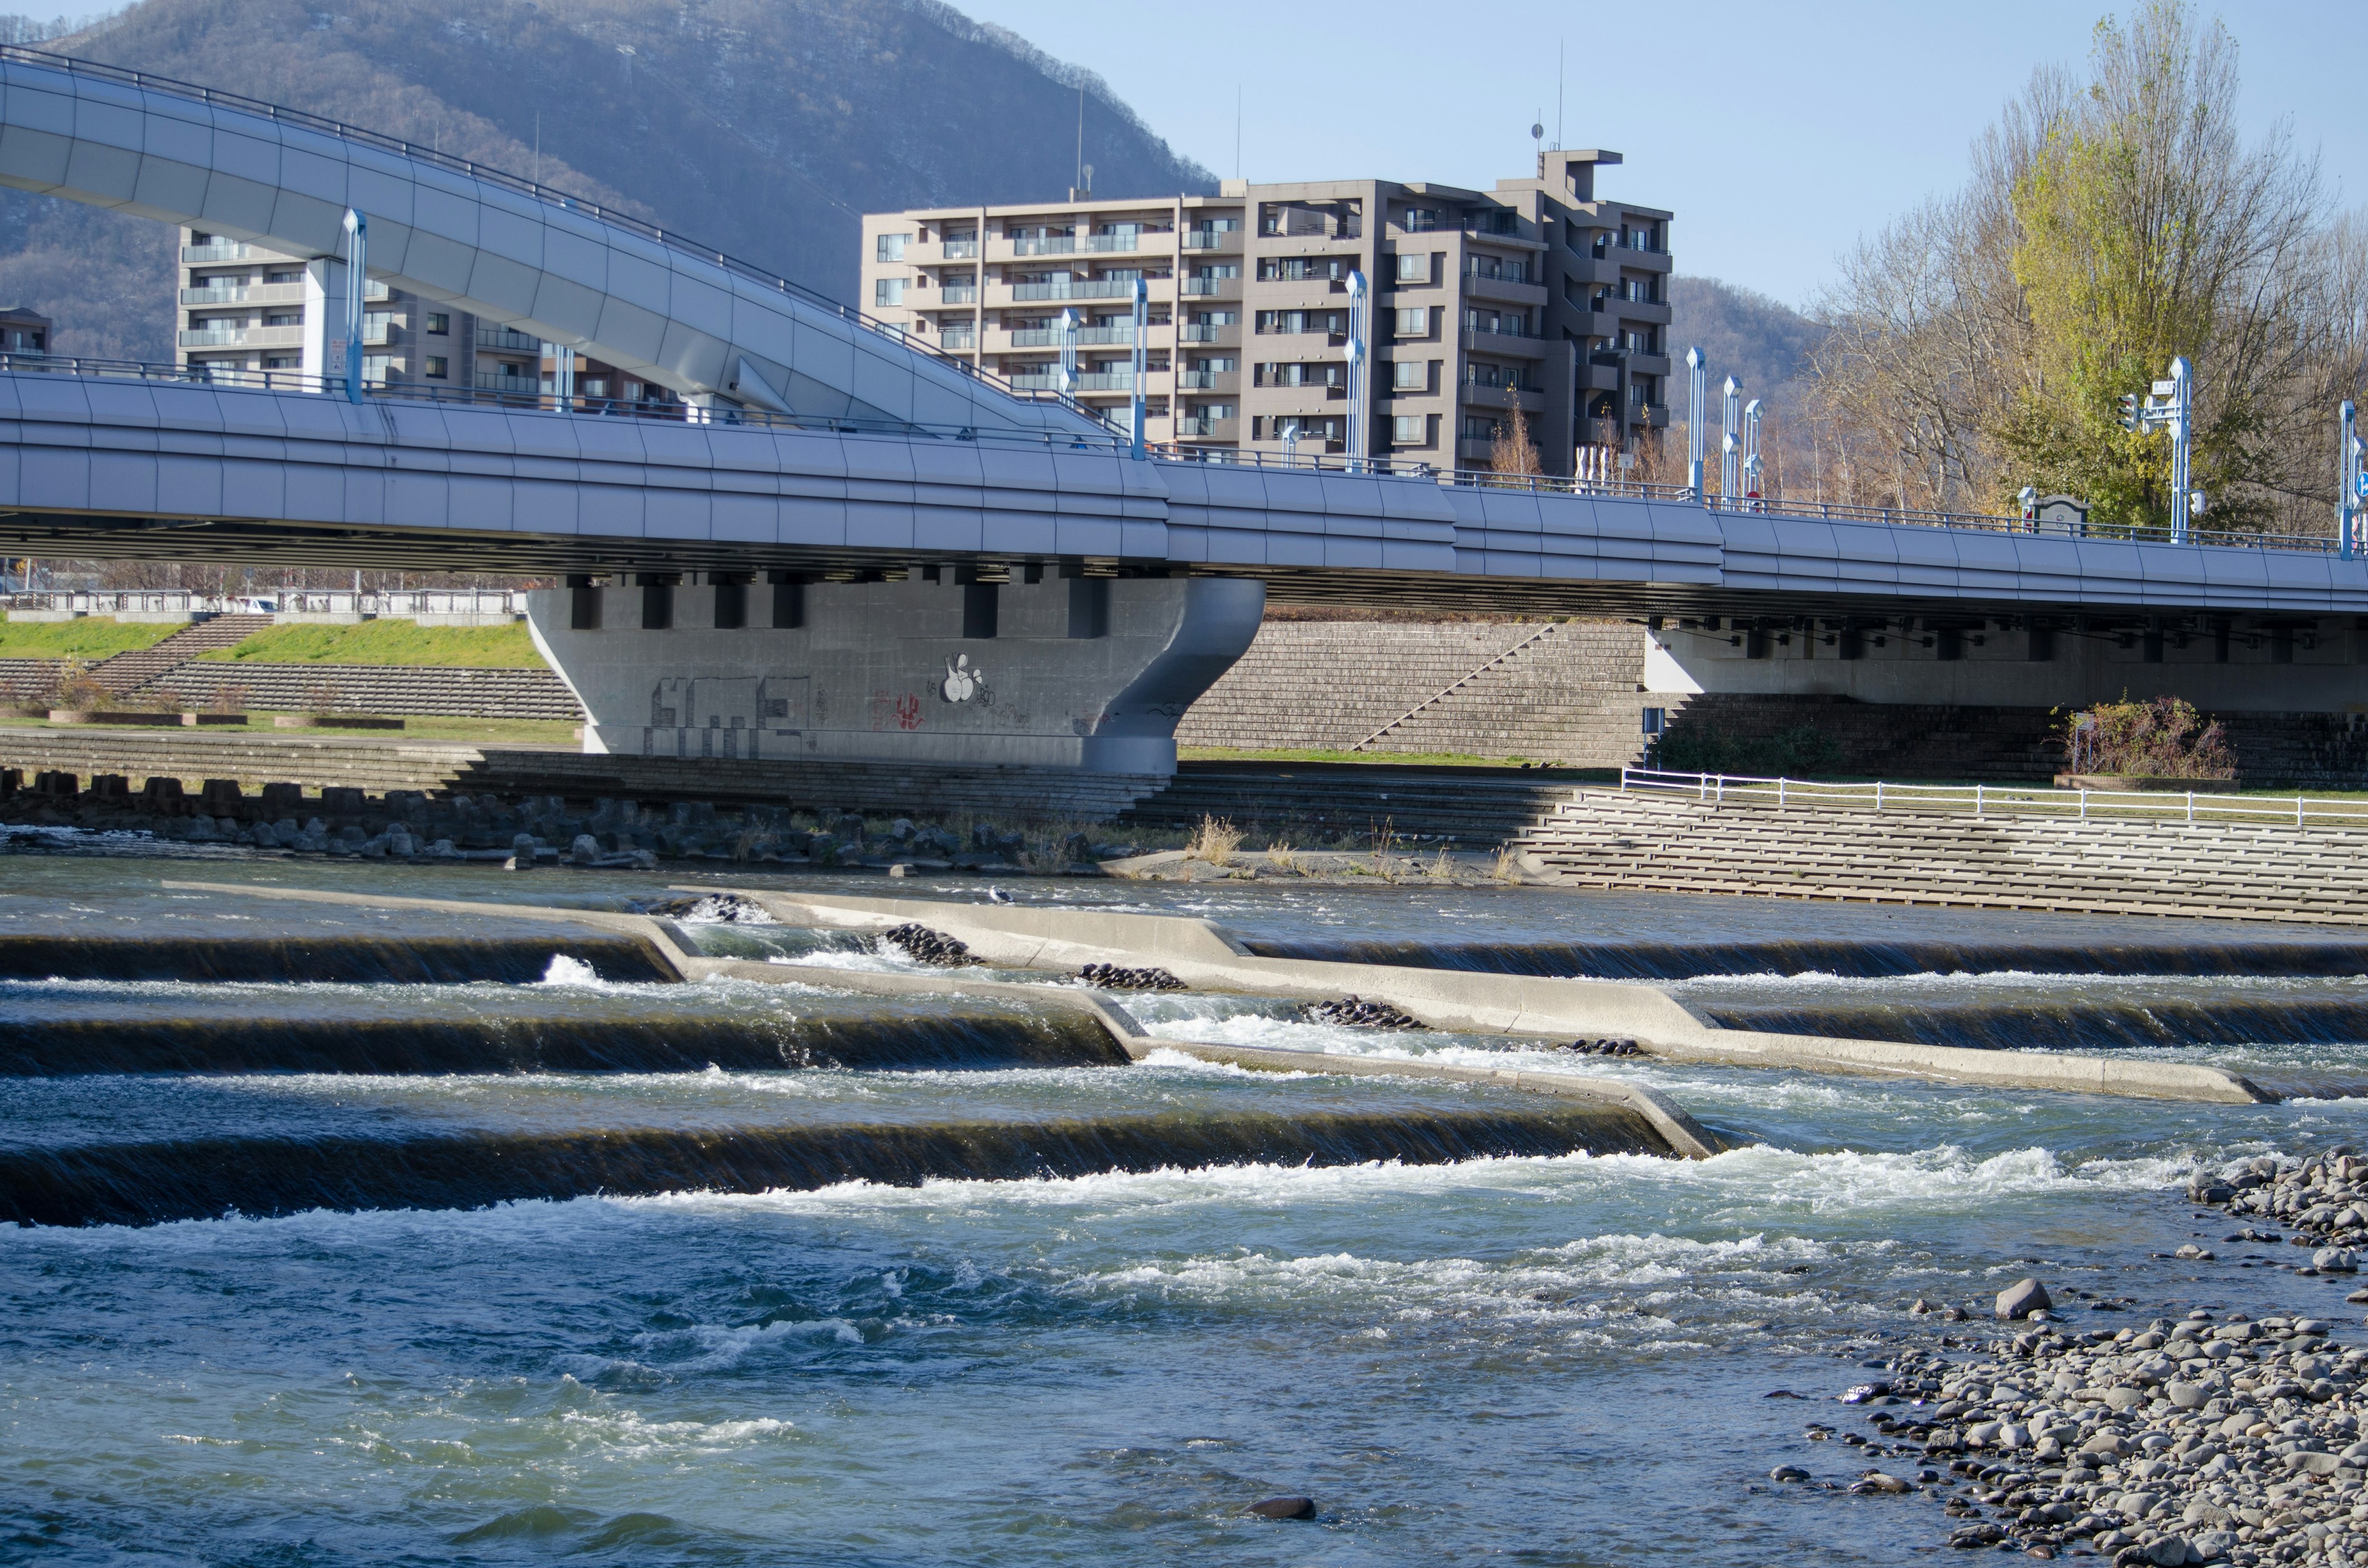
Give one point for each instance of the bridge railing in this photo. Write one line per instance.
(397, 604)
(1105, 439)
(1992, 800)
(2013, 523)
(148, 82)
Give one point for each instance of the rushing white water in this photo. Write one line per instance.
(1545, 1357)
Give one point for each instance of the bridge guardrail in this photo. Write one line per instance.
(148, 82)
(1116, 443)
(1992, 800)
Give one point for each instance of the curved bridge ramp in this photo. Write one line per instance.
(546, 264)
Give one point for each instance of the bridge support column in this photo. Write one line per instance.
(1088, 672)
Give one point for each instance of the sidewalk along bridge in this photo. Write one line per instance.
(2090, 852)
(855, 547)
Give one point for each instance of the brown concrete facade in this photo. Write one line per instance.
(1535, 295)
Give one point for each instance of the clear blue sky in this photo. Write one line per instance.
(1776, 132)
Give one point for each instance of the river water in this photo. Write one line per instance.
(372, 1236)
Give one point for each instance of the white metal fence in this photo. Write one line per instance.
(1995, 800)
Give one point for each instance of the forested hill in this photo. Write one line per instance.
(763, 128)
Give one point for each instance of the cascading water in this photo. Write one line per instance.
(490, 1246)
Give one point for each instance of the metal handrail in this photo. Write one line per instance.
(1990, 799)
(148, 82)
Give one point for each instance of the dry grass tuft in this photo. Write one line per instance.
(1214, 840)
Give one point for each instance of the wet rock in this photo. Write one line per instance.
(1113, 977)
(1788, 1472)
(2021, 1299)
(2335, 1260)
(1878, 1483)
(585, 850)
(1357, 1013)
(1604, 1048)
(522, 848)
(927, 946)
(1283, 1508)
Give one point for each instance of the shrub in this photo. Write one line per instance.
(2162, 739)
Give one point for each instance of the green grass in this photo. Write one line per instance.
(1383, 758)
(389, 642)
(91, 639)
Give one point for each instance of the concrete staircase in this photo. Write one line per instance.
(1633, 842)
(369, 689)
(127, 673)
(1482, 688)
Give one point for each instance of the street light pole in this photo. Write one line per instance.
(1729, 449)
(2182, 408)
(2347, 481)
(1361, 356)
(356, 262)
(1695, 377)
(1135, 364)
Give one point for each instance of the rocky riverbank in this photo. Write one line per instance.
(2202, 1438)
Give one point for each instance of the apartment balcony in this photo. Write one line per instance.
(1213, 239)
(1113, 243)
(956, 250)
(242, 337)
(246, 294)
(1212, 287)
(517, 386)
(1512, 291)
(958, 294)
(1226, 336)
(1063, 245)
(1087, 382)
(1087, 337)
(228, 250)
(1639, 312)
(1526, 346)
(960, 342)
(501, 339)
(1641, 260)
(1198, 428)
(1209, 380)
(1077, 289)
(1487, 398)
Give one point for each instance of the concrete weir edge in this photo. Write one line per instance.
(1685, 1137)
(1200, 953)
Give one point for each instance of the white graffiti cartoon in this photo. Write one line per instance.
(963, 680)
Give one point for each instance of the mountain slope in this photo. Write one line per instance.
(1741, 332)
(763, 128)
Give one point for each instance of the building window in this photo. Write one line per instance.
(1422, 220)
(888, 292)
(375, 367)
(439, 322)
(1410, 430)
(1410, 375)
(1414, 321)
(1479, 428)
(1414, 266)
(282, 362)
(284, 320)
(889, 248)
(436, 371)
(283, 278)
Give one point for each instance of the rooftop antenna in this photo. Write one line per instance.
(1237, 131)
(1561, 47)
(1538, 141)
(1081, 133)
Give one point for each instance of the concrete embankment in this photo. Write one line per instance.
(2315, 871)
(1680, 1132)
(1201, 953)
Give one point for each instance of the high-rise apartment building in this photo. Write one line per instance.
(1535, 296)
(246, 307)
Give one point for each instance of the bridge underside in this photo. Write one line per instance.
(264, 547)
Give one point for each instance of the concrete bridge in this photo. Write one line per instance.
(861, 549)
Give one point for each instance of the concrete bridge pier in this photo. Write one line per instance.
(1035, 666)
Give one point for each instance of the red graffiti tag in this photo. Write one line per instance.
(908, 712)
